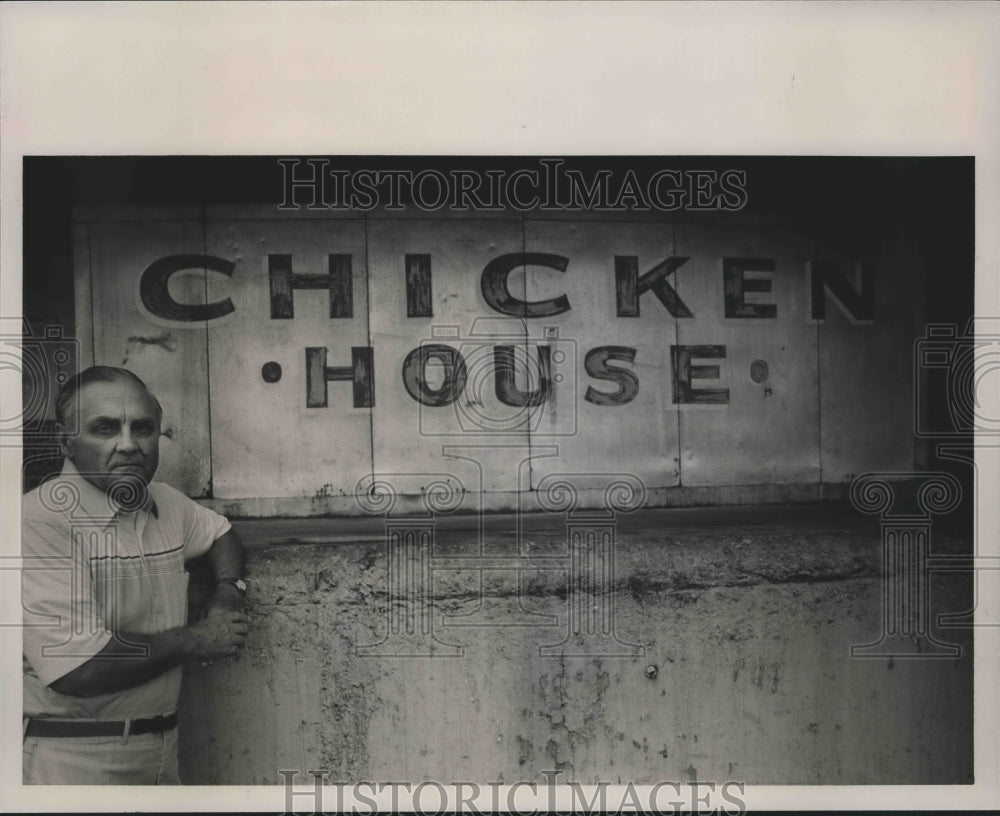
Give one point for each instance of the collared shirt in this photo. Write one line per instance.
(92, 570)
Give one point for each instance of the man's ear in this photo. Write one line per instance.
(64, 436)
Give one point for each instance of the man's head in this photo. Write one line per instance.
(109, 426)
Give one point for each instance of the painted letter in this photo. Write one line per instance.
(498, 295)
(415, 379)
(360, 372)
(684, 372)
(629, 287)
(736, 285)
(155, 295)
(284, 282)
(418, 286)
(858, 305)
(597, 367)
(504, 369)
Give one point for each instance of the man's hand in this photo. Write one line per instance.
(220, 634)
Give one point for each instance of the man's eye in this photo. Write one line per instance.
(104, 430)
(143, 430)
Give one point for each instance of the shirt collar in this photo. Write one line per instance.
(95, 502)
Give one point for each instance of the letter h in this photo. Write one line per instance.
(360, 372)
(284, 282)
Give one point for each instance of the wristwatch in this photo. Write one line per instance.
(239, 583)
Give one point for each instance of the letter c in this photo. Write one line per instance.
(156, 298)
(497, 294)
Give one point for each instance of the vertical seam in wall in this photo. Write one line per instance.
(368, 339)
(208, 360)
(90, 276)
(527, 349)
(922, 450)
(670, 366)
(819, 384)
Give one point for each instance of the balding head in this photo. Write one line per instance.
(109, 426)
(67, 399)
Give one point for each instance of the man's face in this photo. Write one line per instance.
(119, 434)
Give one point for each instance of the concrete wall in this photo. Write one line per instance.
(718, 354)
(746, 615)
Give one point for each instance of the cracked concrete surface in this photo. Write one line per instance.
(746, 616)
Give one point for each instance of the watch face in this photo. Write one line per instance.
(241, 585)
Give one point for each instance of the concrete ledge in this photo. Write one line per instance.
(501, 502)
(730, 657)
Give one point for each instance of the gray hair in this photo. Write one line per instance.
(66, 398)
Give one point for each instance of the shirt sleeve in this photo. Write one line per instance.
(62, 628)
(201, 528)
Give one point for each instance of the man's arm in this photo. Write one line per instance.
(226, 559)
(131, 659)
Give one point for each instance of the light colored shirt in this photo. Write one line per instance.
(92, 570)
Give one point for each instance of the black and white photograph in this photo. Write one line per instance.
(452, 477)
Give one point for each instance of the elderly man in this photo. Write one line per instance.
(105, 594)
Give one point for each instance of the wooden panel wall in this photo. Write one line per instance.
(341, 349)
(171, 357)
(267, 439)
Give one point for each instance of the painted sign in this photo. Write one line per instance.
(300, 355)
(824, 279)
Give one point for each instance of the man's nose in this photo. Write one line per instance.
(126, 442)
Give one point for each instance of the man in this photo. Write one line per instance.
(105, 594)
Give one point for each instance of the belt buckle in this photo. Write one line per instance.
(125, 731)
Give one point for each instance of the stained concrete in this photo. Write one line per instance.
(746, 616)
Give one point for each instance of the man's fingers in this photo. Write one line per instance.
(225, 633)
(237, 634)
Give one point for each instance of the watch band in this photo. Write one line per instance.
(239, 583)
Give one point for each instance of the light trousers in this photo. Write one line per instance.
(146, 759)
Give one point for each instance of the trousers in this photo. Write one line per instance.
(146, 759)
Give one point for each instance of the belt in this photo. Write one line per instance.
(99, 728)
